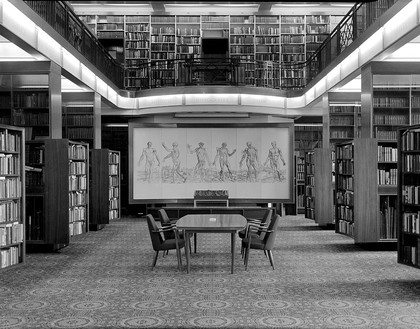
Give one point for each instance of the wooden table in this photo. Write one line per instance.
(211, 223)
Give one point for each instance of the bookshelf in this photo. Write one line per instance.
(300, 184)
(292, 34)
(105, 188)
(162, 50)
(344, 121)
(188, 37)
(391, 110)
(158, 39)
(137, 51)
(309, 185)
(408, 197)
(78, 122)
(215, 26)
(110, 32)
(323, 187)
(78, 194)
(317, 31)
(56, 188)
(358, 206)
(267, 51)
(307, 137)
(12, 197)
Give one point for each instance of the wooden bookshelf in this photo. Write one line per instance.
(292, 50)
(188, 37)
(110, 32)
(309, 185)
(357, 203)
(137, 51)
(318, 29)
(78, 193)
(78, 122)
(323, 188)
(408, 196)
(12, 197)
(105, 188)
(300, 184)
(391, 111)
(307, 138)
(162, 50)
(158, 39)
(344, 122)
(57, 193)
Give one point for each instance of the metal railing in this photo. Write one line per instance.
(236, 70)
(61, 17)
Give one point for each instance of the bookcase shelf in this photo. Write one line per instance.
(408, 197)
(362, 212)
(12, 197)
(300, 184)
(105, 175)
(78, 122)
(57, 193)
(344, 122)
(309, 185)
(262, 38)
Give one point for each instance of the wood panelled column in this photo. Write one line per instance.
(366, 102)
(56, 111)
(97, 121)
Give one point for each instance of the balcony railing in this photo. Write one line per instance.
(231, 71)
(60, 17)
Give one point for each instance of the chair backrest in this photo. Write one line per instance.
(156, 237)
(270, 237)
(267, 217)
(164, 218)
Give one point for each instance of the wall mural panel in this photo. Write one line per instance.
(171, 163)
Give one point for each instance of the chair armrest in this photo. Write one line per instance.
(165, 229)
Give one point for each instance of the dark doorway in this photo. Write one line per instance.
(215, 48)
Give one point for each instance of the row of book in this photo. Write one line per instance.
(390, 119)
(346, 227)
(387, 177)
(79, 120)
(385, 134)
(411, 194)
(9, 257)
(77, 214)
(11, 233)
(410, 255)
(114, 192)
(77, 198)
(9, 164)
(114, 214)
(9, 211)
(411, 163)
(345, 166)
(77, 168)
(388, 222)
(345, 213)
(345, 198)
(113, 204)
(387, 154)
(10, 188)
(345, 183)
(411, 222)
(345, 152)
(77, 228)
(77, 152)
(77, 183)
(410, 140)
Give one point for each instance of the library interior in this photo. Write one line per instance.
(131, 130)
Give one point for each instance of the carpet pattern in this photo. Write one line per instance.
(104, 280)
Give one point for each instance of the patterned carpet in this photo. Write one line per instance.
(104, 280)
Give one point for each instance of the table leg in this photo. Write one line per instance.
(195, 243)
(187, 250)
(232, 242)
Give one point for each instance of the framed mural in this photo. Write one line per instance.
(252, 162)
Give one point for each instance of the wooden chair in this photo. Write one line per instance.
(259, 223)
(161, 244)
(265, 243)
